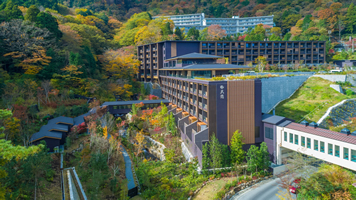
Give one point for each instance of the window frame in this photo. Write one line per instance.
(308, 143)
(332, 149)
(316, 147)
(303, 141)
(346, 156)
(296, 139)
(322, 147)
(337, 152)
(291, 138)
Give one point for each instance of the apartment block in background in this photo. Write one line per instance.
(232, 25)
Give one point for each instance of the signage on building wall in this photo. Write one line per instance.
(222, 94)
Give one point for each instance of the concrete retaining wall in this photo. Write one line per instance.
(333, 78)
(337, 88)
(157, 92)
(277, 89)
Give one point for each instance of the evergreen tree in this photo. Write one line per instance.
(178, 33)
(226, 157)
(31, 14)
(253, 158)
(306, 22)
(264, 160)
(46, 20)
(206, 157)
(166, 30)
(351, 18)
(215, 152)
(75, 59)
(193, 33)
(237, 153)
(274, 37)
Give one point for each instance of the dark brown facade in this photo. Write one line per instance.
(153, 56)
(222, 106)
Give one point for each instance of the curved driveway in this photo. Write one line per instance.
(265, 190)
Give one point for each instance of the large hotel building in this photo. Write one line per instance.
(156, 56)
(203, 105)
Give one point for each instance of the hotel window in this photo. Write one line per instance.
(296, 139)
(330, 149)
(303, 141)
(269, 133)
(316, 145)
(308, 143)
(115, 107)
(346, 153)
(285, 136)
(291, 138)
(353, 155)
(322, 147)
(337, 151)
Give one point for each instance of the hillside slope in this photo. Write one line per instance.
(310, 101)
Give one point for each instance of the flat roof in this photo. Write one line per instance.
(323, 133)
(208, 66)
(119, 103)
(195, 56)
(272, 119)
(230, 41)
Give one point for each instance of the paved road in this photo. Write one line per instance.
(265, 190)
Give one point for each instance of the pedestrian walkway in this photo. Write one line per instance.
(128, 171)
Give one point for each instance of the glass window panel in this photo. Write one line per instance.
(308, 143)
(337, 151)
(316, 145)
(322, 147)
(296, 139)
(290, 137)
(330, 149)
(303, 141)
(285, 136)
(353, 155)
(346, 153)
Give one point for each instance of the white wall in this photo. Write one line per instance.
(317, 154)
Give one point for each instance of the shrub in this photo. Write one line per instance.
(349, 92)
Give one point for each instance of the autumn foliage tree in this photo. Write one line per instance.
(215, 32)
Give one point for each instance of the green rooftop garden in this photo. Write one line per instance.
(311, 101)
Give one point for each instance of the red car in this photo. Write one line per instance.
(294, 186)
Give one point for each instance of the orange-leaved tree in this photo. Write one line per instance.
(215, 32)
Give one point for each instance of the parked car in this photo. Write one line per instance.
(294, 186)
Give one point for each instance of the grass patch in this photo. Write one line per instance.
(209, 191)
(311, 101)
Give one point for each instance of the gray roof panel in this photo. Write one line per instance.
(55, 127)
(274, 119)
(285, 123)
(49, 134)
(209, 66)
(62, 120)
(119, 103)
(195, 55)
(80, 119)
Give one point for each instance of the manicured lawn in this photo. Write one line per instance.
(311, 101)
(209, 191)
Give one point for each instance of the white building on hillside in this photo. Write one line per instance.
(232, 25)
